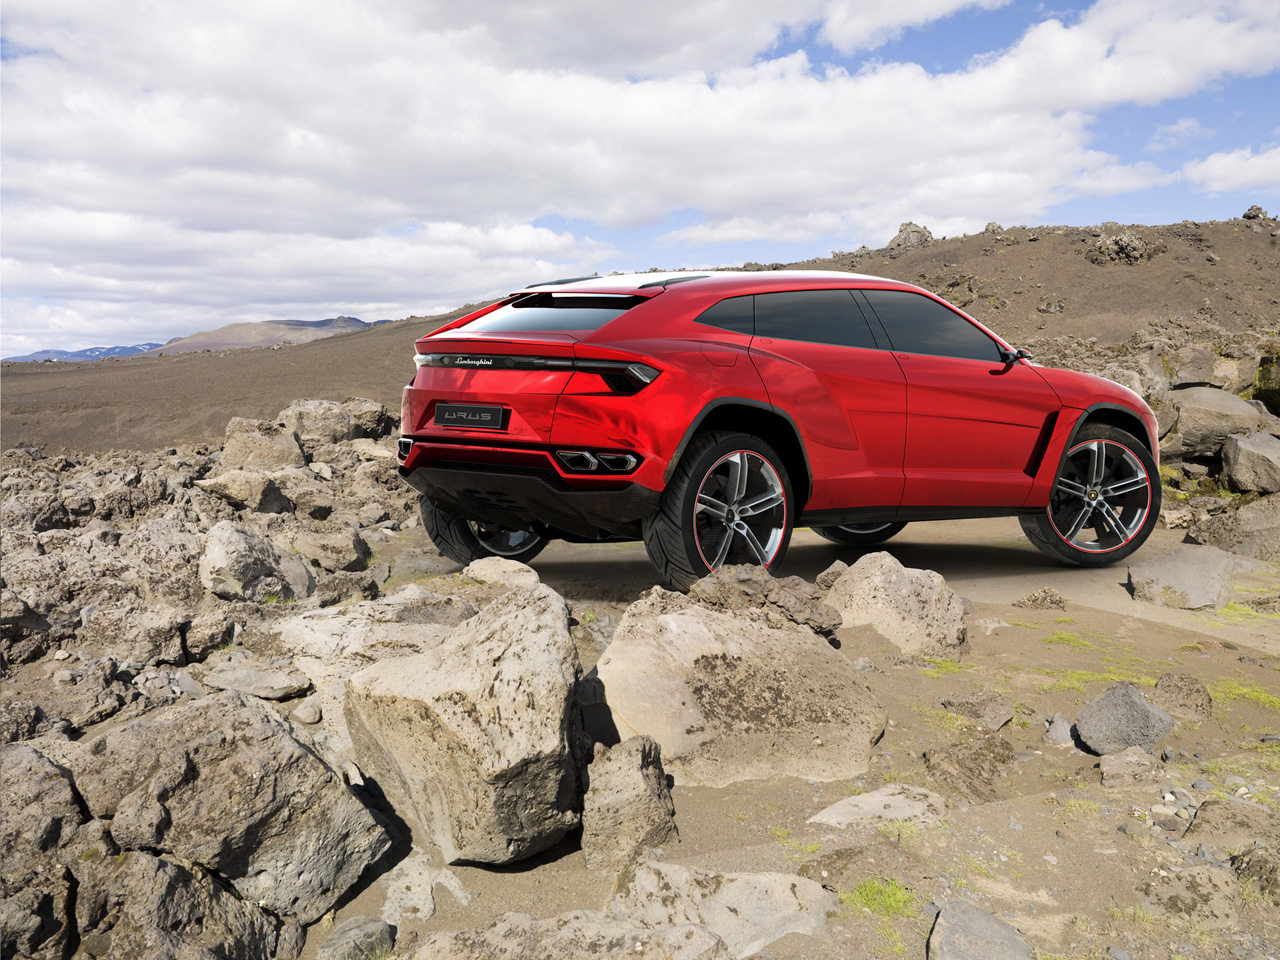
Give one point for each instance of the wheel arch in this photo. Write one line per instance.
(1111, 415)
(765, 421)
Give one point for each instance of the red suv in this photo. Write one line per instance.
(708, 414)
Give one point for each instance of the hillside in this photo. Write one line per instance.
(1110, 282)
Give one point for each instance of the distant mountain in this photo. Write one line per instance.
(234, 336)
(84, 356)
(238, 336)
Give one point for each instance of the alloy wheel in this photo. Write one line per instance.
(740, 514)
(503, 541)
(1102, 497)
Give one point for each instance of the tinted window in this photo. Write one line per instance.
(734, 314)
(916, 324)
(815, 316)
(556, 311)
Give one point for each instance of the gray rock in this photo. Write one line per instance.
(972, 767)
(1252, 462)
(309, 711)
(370, 417)
(1058, 731)
(501, 570)
(1129, 766)
(578, 935)
(748, 586)
(828, 577)
(260, 445)
(910, 235)
(420, 562)
(221, 782)
(964, 931)
(1046, 598)
(338, 587)
(474, 740)
(333, 550)
(895, 801)
(333, 644)
(1253, 530)
(1183, 695)
(367, 449)
(318, 421)
(155, 907)
(237, 564)
(748, 911)
(258, 679)
(915, 609)
(137, 631)
(358, 938)
(1121, 717)
(627, 805)
(993, 709)
(1192, 577)
(1206, 417)
(736, 696)
(250, 490)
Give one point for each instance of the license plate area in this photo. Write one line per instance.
(470, 416)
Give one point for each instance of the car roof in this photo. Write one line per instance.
(721, 281)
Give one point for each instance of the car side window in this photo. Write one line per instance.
(917, 324)
(814, 316)
(735, 313)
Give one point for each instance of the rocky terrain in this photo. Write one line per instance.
(248, 711)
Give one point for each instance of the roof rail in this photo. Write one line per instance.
(671, 280)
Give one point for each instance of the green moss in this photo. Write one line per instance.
(940, 668)
(1079, 680)
(1061, 638)
(1227, 690)
(883, 896)
(1064, 619)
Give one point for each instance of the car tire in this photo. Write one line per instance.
(701, 524)
(464, 541)
(860, 534)
(1108, 485)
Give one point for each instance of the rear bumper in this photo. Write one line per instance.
(522, 489)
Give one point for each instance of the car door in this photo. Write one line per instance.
(975, 424)
(820, 363)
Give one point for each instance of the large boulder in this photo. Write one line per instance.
(1253, 462)
(221, 782)
(1121, 717)
(1253, 530)
(250, 490)
(912, 608)
(260, 445)
(477, 741)
(238, 564)
(333, 644)
(748, 911)
(964, 931)
(736, 696)
(627, 805)
(318, 421)
(369, 417)
(1206, 417)
(1191, 578)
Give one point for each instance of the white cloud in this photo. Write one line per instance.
(306, 158)
(1176, 134)
(857, 25)
(1237, 170)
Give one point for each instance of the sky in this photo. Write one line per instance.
(168, 168)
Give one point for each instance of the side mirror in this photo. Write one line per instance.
(1009, 356)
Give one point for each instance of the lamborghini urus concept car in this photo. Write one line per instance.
(710, 414)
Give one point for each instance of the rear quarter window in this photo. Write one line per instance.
(555, 311)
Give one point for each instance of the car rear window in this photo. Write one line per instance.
(556, 311)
